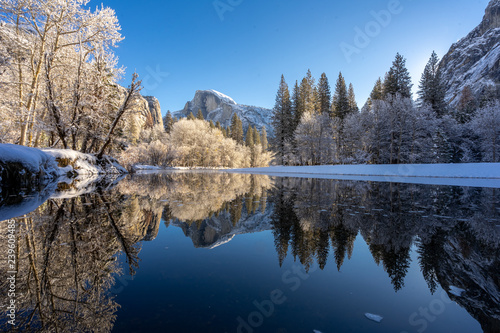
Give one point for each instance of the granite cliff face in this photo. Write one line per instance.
(216, 106)
(475, 59)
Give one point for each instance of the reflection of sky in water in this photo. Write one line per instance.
(263, 234)
(183, 289)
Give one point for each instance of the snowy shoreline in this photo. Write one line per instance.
(467, 174)
(21, 166)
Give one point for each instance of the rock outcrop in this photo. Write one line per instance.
(475, 60)
(216, 106)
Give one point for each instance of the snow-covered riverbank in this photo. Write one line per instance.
(21, 165)
(467, 174)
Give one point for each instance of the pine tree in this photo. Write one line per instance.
(236, 129)
(217, 125)
(296, 108)
(264, 139)
(467, 106)
(324, 95)
(398, 80)
(282, 118)
(432, 88)
(351, 97)
(191, 116)
(199, 115)
(256, 137)
(307, 95)
(168, 122)
(340, 105)
(249, 141)
(212, 125)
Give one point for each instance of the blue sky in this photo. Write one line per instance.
(242, 48)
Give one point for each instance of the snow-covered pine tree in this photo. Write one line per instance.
(168, 122)
(432, 88)
(398, 79)
(351, 97)
(282, 118)
(340, 104)
(324, 95)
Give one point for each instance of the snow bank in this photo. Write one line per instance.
(31, 159)
(470, 174)
(71, 161)
(23, 166)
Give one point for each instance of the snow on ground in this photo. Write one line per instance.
(32, 159)
(85, 164)
(470, 174)
(53, 163)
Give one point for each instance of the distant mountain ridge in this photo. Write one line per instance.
(216, 106)
(475, 60)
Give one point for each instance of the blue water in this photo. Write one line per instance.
(229, 253)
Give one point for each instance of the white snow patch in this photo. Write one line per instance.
(374, 317)
(466, 174)
(223, 97)
(456, 291)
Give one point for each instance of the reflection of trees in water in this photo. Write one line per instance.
(209, 207)
(66, 256)
(452, 228)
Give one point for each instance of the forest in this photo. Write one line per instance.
(315, 128)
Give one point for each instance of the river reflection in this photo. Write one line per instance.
(73, 249)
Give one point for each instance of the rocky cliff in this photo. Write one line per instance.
(475, 59)
(216, 106)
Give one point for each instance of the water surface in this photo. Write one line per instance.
(215, 252)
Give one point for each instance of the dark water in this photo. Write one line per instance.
(240, 253)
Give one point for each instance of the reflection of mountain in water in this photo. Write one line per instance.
(68, 247)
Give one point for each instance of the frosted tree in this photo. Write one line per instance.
(314, 139)
(467, 105)
(54, 37)
(432, 88)
(486, 125)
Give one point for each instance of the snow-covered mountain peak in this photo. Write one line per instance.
(219, 107)
(225, 98)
